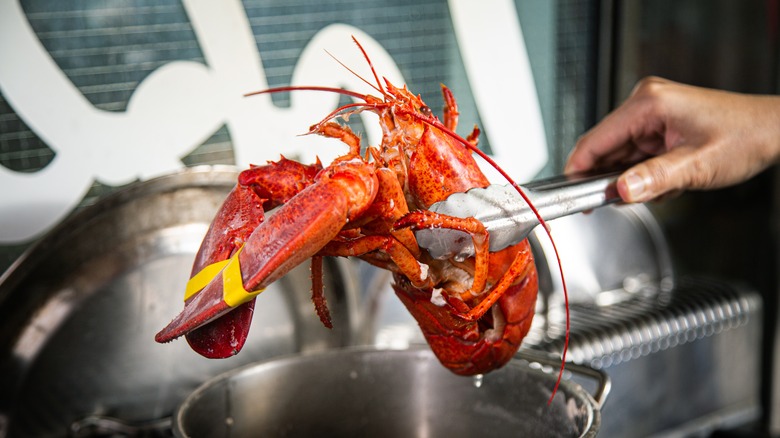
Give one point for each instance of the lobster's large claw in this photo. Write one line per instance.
(294, 232)
(224, 336)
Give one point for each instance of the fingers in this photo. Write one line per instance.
(600, 147)
(661, 175)
(697, 138)
(640, 130)
(631, 132)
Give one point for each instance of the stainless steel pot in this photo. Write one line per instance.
(78, 312)
(390, 393)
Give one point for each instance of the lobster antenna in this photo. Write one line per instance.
(356, 74)
(434, 122)
(370, 64)
(307, 88)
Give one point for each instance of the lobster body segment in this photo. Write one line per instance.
(439, 167)
(474, 312)
(475, 347)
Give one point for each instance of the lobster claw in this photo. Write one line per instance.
(218, 306)
(225, 336)
(216, 315)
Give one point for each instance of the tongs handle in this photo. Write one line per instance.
(563, 196)
(508, 217)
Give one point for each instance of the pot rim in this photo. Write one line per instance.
(540, 364)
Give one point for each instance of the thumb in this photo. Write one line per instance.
(657, 176)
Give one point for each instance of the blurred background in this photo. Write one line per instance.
(71, 70)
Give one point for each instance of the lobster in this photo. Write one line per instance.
(474, 313)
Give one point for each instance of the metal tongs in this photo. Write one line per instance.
(508, 217)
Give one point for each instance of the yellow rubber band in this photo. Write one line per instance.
(202, 278)
(233, 291)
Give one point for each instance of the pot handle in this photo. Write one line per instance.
(603, 383)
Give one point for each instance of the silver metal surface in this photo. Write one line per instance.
(609, 255)
(508, 217)
(388, 393)
(683, 363)
(683, 354)
(79, 311)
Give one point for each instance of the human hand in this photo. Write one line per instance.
(683, 137)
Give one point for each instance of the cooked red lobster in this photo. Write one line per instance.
(474, 313)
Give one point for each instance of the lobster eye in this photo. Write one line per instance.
(426, 111)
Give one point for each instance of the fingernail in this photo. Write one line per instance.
(635, 184)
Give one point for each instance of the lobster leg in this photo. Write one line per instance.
(451, 115)
(317, 292)
(479, 235)
(401, 257)
(467, 347)
(379, 234)
(295, 232)
(389, 206)
(519, 267)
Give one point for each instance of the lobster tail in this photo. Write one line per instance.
(475, 347)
